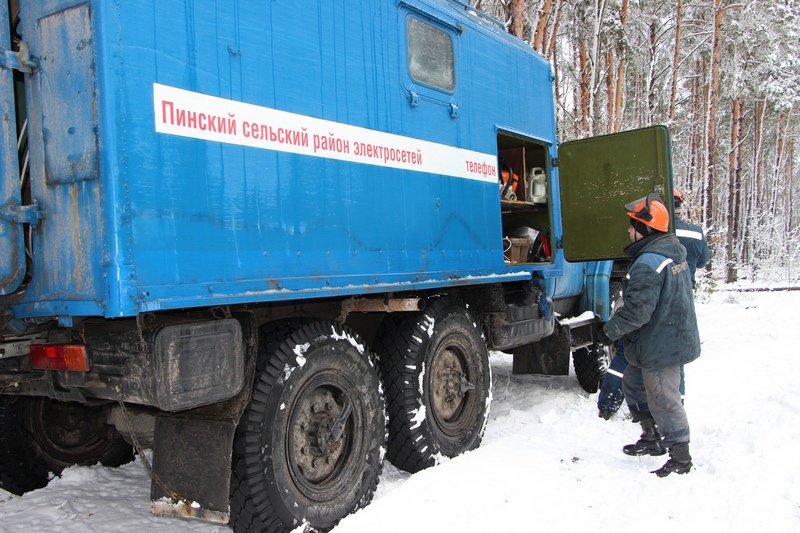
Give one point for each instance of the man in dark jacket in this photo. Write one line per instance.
(691, 237)
(610, 396)
(658, 326)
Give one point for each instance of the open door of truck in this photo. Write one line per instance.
(598, 176)
(12, 243)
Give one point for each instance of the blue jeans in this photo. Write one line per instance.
(610, 397)
(657, 393)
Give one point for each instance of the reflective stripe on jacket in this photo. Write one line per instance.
(692, 238)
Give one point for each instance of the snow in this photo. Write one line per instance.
(547, 461)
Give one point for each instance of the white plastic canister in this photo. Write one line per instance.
(537, 185)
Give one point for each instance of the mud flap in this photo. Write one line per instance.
(192, 459)
(550, 356)
(192, 450)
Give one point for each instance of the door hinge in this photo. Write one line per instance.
(453, 109)
(21, 61)
(554, 162)
(22, 214)
(413, 97)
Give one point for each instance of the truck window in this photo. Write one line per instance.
(430, 55)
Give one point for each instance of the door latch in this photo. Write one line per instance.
(22, 214)
(21, 61)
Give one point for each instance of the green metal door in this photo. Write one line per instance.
(598, 176)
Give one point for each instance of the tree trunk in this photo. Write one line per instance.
(758, 191)
(550, 52)
(758, 135)
(651, 72)
(694, 175)
(779, 181)
(597, 33)
(733, 199)
(617, 119)
(783, 176)
(790, 215)
(676, 60)
(540, 37)
(516, 12)
(741, 227)
(583, 57)
(711, 129)
(610, 86)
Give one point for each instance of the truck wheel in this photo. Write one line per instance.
(591, 363)
(614, 296)
(437, 378)
(39, 435)
(21, 470)
(309, 445)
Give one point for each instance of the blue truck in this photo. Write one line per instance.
(276, 242)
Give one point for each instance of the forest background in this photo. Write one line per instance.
(724, 75)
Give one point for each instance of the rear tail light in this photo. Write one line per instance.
(60, 357)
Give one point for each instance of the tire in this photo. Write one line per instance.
(437, 377)
(21, 470)
(591, 364)
(39, 436)
(614, 296)
(288, 465)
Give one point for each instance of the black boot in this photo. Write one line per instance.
(649, 443)
(679, 461)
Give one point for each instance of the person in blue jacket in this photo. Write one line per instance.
(658, 325)
(610, 396)
(691, 237)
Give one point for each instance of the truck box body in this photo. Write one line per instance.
(193, 155)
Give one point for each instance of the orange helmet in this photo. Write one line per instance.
(650, 211)
(677, 197)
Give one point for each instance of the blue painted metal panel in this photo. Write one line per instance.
(596, 293)
(568, 282)
(67, 95)
(12, 246)
(178, 220)
(67, 276)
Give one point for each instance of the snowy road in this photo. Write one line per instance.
(547, 461)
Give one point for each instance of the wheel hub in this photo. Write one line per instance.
(449, 384)
(318, 437)
(65, 431)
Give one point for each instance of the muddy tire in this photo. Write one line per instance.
(437, 377)
(21, 470)
(591, 364)
(310, 443)
(39, 436)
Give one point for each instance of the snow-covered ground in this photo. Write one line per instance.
(547, 462)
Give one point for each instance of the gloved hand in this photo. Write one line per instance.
(602, 338)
